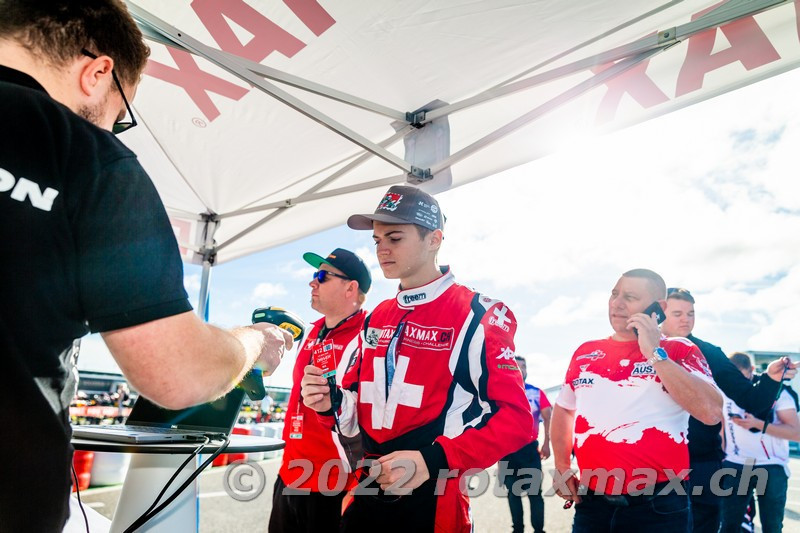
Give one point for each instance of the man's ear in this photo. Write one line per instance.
(436, 238)
(663, 304)
(96, 75)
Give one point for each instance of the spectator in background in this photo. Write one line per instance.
(529, 457)
(623, 408)
(705, 443)
(338, 290)
(746, 442)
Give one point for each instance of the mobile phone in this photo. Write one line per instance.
(653, 308)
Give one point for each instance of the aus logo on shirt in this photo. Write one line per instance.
(643, 368)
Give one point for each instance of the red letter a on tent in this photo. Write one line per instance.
(749, 45)
(268, 36)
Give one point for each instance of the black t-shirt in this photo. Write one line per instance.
(87, 245)
(705, 443)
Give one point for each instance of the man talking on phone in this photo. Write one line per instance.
(624, 409)
(705, 443)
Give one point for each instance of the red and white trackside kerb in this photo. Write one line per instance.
(624, 417)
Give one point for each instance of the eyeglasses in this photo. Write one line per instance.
(119, 126)
(322, 276)
(683, 292)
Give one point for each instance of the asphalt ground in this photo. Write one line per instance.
(220, 513)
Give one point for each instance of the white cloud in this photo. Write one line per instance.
(192, 283)
(264, 292)
(566, 310)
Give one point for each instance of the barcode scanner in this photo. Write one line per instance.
(253, 382)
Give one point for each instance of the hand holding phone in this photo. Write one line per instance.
(654, 307)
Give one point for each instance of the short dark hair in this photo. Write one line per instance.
(675, 293)
(423, 231)
(520, 358)
(57, 31)
(741, 360)
(656, 281)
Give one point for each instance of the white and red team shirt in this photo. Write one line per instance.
(537, 400)
(455, 383)
(741, 445)
(624, 417)
(318, 443)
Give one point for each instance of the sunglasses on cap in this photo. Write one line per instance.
(119, 126)
(683, 292)
(322, 276)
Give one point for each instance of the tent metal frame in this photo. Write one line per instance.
(623, 58)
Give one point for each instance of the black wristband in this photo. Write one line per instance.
(435, 459)
(336, 402)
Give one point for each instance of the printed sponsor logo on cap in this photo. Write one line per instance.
(390, 201)
(434, 209)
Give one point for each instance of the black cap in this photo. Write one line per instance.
(403, 204)
(349, 263)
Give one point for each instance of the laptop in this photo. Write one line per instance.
(151, 424)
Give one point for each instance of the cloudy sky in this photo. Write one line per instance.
(707, 196)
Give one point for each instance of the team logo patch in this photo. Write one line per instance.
(499, 318)
(416, 336)
(643, 368)
(390, 201)
(372, 337)
(594, 356)
(506, 353)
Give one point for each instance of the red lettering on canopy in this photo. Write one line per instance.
(634, 82)
(749, 45)
(194, 81)
(268, 37)
(312, 14)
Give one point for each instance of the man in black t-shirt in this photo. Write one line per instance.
(88, 247)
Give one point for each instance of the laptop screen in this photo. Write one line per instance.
(218, 416)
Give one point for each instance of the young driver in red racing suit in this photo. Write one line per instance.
(436, 390)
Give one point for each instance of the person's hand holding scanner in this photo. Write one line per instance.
(315, 390)
(274, 343)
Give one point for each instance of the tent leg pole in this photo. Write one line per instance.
(202, 310)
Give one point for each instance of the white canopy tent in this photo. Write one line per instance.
(267, 121)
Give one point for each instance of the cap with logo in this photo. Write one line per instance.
(403, 204)
(349, 263)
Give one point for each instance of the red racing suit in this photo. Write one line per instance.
(456, 396)
(318, 443)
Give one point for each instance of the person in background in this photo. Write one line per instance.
(529, 457)
(705, 442)
(90, 249)
(766, 453)
(624, 409)
(338, 291)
